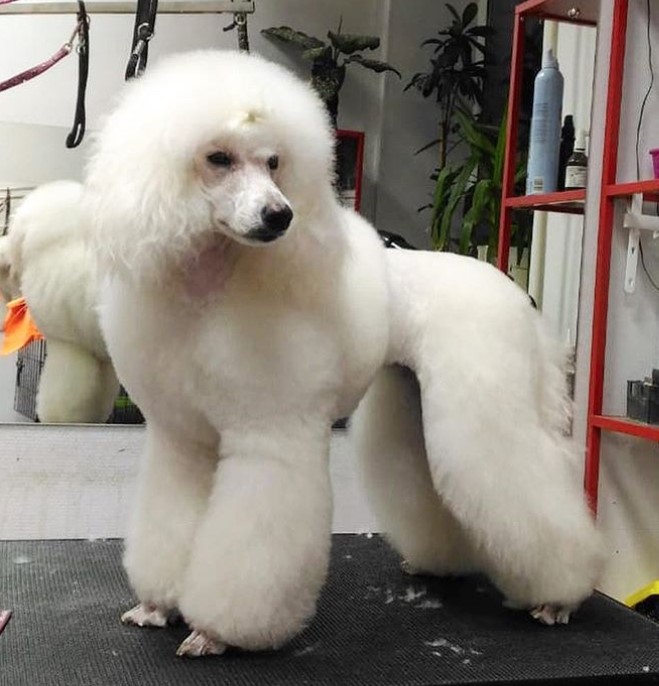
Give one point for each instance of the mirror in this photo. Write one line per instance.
(382, 124)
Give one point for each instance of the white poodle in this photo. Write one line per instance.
(45, 257)
(245, 310)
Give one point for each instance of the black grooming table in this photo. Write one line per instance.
(375, 625)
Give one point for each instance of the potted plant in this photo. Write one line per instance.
(474, 187)
(456, 74)
(329, 59)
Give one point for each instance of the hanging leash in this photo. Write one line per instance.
(29, 74)
(240, 24)
(145, 25)
(77, 133)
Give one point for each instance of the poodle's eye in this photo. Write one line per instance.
(273, 162)
(219, 159)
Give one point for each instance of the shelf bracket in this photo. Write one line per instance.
(632, 260)
(636, 222)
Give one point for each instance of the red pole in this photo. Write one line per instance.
(603, 264)
(510, 161)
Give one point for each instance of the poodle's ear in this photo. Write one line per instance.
(143, 203)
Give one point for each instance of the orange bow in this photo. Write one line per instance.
(19, 327)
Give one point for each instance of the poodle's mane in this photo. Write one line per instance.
(143, 201)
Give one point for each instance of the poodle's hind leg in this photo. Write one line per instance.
(387, 436)
(498, 454)
(75, 386)
(172, 492)
(261, 552)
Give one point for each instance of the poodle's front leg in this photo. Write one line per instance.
(261, 552)
(173, 486)
(75, 386)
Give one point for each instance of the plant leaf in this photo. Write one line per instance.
(443, 183)
(469, 14)
(483, 31)
(473, 135)
(500, 150)
(316, 53)
(432, 41)
(350, 43)
(458, 190)
(480, 202)
(454, 12)
(427, 145)
(297, 39)
(373, 65)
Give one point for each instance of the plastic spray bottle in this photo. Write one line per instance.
(545, 138)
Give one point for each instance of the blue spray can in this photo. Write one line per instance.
(545, 137)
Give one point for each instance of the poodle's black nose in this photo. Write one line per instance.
(276, 220)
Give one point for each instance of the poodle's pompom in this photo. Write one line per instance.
(147, 202)
(48, 217)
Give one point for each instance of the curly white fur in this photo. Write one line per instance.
(507, 497)
(46, 258)
(241, 354)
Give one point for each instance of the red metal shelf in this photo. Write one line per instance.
(619, 190)
(623, 425)
(589, 11)
(571, 202)
(559, 10)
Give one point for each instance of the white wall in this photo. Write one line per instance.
(35, 153)
(63, 482)
(629, 489)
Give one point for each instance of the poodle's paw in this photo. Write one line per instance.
(551, 614)
(197, 644)
(143, 615)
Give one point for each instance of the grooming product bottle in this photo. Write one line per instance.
(567, 148)
(576, 170)
(545, 138)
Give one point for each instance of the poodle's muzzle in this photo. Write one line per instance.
(274, 223)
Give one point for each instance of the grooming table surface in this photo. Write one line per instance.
(375, 625)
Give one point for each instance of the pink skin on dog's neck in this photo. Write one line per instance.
(208, 272)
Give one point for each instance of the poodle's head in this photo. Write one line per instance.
(207, 146)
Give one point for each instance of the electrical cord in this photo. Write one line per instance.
(647, 93)
(638, 131)
(645, 269)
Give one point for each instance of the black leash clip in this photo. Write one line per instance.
(138, 58)
(239, 22)
(145, 23)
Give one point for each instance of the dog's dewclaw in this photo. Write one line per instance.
(197, 644)
(145, 616)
